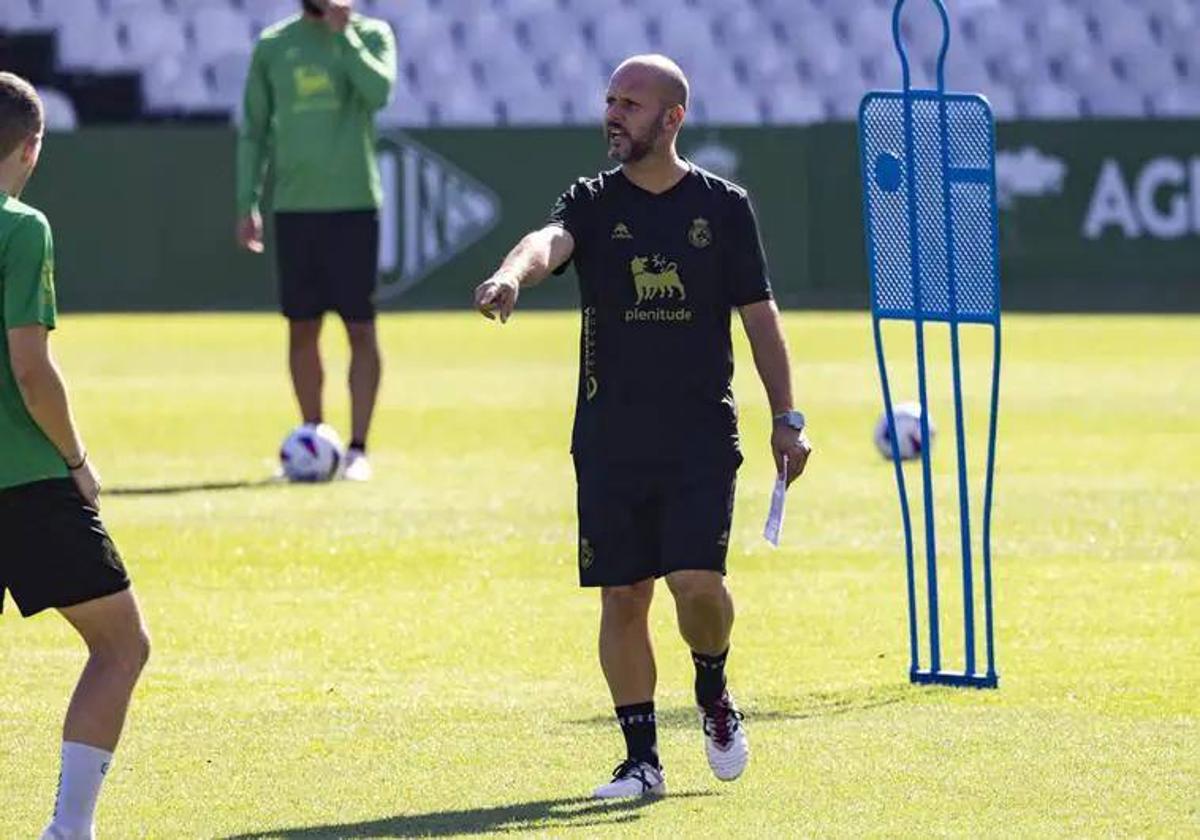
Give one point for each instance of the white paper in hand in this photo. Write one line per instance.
(774, 528)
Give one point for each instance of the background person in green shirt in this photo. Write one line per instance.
(54, 550)
(315, 83)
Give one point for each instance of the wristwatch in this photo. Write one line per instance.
(792, 419)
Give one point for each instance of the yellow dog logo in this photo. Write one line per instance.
(656, 284)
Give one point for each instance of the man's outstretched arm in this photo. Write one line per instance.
(533, 260)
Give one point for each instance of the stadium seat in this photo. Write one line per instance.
(439, 72)
(787, 60)
(1061, 30)
(174, 84)
(78, 13)
(58, 109)
(406, 109)
(550, 32)
(227, 74)
(148, 35)
(421, 34)
(768, 64)
(19, 16)
(463, 105)
(687, 37)
(503, 70)
(1114, 100)
(791, 104)
(1176, 22)
(121, 7)
(91, 45)
(1048, 100)
(1148, 70)
(617, 34)
(539, 110)
(185, 7)
(1178, 102)
(521, 9)
(217, 29)
(264, 13)
(741, 27)
(578, 77)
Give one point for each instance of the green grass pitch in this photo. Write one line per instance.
(413, 657)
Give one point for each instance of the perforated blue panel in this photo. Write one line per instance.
(930, 261)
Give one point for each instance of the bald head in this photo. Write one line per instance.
(656, 72)
(646, 106)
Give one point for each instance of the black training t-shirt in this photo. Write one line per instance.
(659, 276)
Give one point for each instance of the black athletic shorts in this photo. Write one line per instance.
(54, 551)
(327, 262)
(645, 522)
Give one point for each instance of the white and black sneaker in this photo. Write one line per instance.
(633, 778)
(725, 738)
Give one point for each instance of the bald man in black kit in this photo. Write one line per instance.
(665, 251)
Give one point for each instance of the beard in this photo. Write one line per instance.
(631, 149)
(312, 8)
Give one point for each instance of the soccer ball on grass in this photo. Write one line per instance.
(908, 432)
(311, 453)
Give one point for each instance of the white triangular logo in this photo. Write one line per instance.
(432, 211)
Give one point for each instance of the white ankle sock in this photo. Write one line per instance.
(83, 771)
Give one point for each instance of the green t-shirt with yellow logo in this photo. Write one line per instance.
(27, 290)
(310, 103)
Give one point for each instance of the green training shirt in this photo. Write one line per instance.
(310, 104)
(27, 289)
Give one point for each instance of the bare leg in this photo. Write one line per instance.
(365, 370)
(626, 652)
(704, 609)
(304, 360)
(118, 647)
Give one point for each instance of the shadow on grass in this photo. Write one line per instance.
(817, 704)
(547, 815)
(198, 487)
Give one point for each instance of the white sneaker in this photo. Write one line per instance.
(633, 779)
(357, 467)
(725, 738)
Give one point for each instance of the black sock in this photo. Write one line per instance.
(710, 677)
(360, 445)
(641, 734)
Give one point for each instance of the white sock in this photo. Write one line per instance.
(83, 771)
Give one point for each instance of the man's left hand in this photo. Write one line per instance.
(786, 441)
(337, 14)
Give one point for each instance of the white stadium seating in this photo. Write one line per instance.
(544, 62)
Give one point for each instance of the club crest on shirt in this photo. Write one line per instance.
(621, 231)
(587, 555)
(700, 234)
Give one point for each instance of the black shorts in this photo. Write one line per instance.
(327, 262)
(645, 522)
(54, 551)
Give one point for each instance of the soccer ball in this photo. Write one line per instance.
(311, 453)
(908, 432)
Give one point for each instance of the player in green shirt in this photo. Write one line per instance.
(55, 552)
(315, 83)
